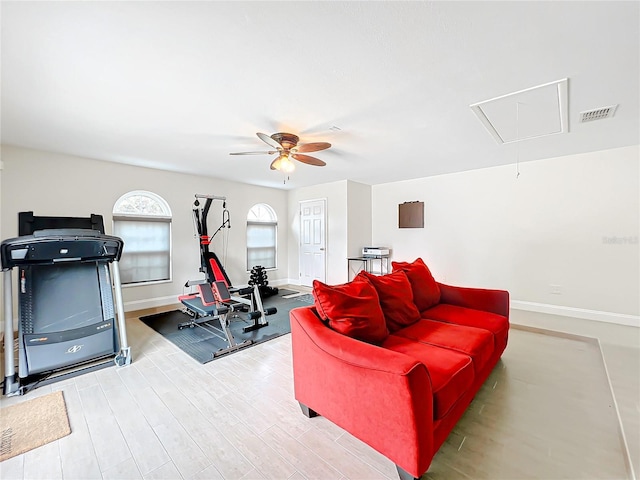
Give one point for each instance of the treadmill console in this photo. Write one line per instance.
(46, 247)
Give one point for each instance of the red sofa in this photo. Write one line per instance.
(396, 359)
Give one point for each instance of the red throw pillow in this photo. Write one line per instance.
(426, 292)
(396, 298)
(352, 309)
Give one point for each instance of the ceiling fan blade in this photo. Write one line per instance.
(268, 140)
(271, 152)
(309, 160)
(312, 147)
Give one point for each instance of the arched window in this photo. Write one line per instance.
(262, 229)
(143, 220)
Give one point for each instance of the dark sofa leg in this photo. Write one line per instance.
(307, 411)
(404, 475)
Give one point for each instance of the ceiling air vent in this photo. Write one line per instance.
(598, 113)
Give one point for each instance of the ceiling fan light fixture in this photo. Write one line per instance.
(286, 165)
(277, 163)
(283, 164)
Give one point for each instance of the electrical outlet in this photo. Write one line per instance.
(555, 289)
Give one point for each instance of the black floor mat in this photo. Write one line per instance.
(283, 291)
(200, 343)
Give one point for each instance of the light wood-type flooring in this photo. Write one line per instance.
(546, 412)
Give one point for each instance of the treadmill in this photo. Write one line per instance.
(70, 317)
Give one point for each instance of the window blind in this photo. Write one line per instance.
(147, 249)
(261, 244)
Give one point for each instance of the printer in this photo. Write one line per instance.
(375, 252)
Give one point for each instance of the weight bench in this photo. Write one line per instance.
(215, 302)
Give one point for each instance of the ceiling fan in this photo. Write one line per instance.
(287, 148)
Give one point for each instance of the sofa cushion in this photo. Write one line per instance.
(475, 342)
(451, 372)
(352, 309)
(426, 292)
(496, 324)
(396, 298)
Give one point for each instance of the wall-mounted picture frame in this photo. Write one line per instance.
(411, 215)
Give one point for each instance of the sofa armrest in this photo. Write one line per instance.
(494, 301)
(382, 397)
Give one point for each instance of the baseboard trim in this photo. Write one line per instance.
(585, 314)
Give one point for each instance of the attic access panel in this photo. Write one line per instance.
(530, 113)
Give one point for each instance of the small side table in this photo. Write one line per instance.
(378, 265)
(355, 265)
(368, 264)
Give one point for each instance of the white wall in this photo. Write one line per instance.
(336, 229)
(358, 218)
(1, 168)
(348, 225)
(553, 225)
(570, 221)
(61, 185)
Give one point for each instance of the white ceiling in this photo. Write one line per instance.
(180, 85)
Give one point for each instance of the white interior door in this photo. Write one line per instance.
(312, 241)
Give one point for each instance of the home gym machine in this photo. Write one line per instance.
(66, 311)
(216, 300)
